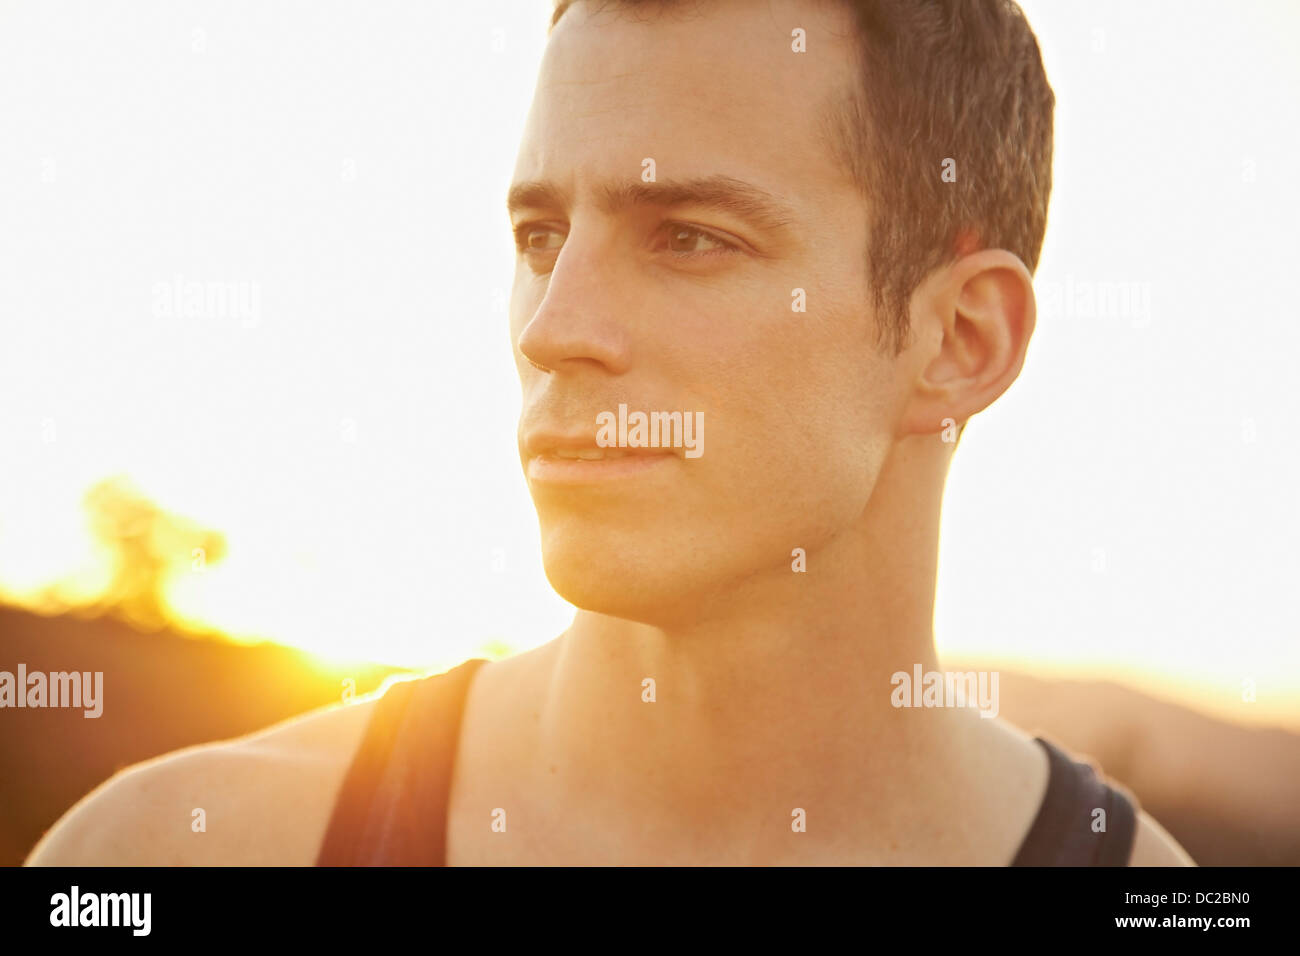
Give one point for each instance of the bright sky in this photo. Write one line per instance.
(346, 415)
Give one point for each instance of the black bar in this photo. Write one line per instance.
(476, 906)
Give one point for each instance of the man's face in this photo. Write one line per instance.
(687, 307)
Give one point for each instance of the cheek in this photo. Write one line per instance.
(795, 449)
(525, 295)
(519, 313)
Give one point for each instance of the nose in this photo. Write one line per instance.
(582, 318)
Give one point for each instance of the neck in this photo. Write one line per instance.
(778, 688)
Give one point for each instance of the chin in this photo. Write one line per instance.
(599, 570)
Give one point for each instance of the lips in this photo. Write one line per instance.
(603, 454)
(584, 448)
(574, 461)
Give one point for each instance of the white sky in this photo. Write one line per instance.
(1126, 510)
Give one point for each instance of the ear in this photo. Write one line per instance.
(973, 321)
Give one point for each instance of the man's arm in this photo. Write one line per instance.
(1153, 846)
(266, 800)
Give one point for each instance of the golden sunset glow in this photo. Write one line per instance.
(1126, 512)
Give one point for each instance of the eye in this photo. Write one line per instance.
(684, 241)
(687, 241)
(532, 237)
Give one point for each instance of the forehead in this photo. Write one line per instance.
(703, 89)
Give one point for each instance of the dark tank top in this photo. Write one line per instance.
(391, 809)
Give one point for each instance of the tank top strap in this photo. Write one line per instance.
(1068, 830)
(391, 809)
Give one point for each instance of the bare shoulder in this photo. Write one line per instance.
(1153, 846)
(500, 707)
(262, 799)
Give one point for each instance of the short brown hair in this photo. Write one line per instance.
(943, 83)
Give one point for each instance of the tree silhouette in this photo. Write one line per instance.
(145, 545)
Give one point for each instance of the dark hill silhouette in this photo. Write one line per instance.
(162, 691)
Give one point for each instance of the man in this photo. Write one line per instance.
(808, 230)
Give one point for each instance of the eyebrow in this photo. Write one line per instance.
(724, 193)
